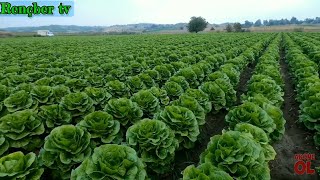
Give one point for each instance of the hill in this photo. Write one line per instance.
(141, 27)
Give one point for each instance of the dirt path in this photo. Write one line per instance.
(244, 78)
(296, 140)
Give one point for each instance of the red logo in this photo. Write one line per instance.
(303, 163)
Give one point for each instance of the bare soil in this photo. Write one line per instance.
(244, 78)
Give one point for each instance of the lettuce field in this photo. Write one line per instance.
(191, 106)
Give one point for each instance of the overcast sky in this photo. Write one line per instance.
(111, 12)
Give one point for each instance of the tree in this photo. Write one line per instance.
(229, 28)
(212, 29)
(197, 24)
(258, 23)
(266, 22)
(294, 20)
(248, 24)
(237, 27)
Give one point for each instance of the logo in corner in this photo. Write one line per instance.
(303, 164)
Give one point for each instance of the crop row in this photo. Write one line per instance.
(243, 151)
(306, 79)
(309, 46)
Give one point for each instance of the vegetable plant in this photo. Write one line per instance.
(155, 143)
(183, 122)
(111, 161)
(148, 103)
(124, 110)
(22, 129)
(65, 147)
(237, 153)
(205, 171)
(18, 165)
(102, 127)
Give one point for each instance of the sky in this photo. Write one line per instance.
(114, 12)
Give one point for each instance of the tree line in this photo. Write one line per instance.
(273, 22)
(197, 24)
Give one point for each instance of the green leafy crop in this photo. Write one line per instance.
(155, 142)
(22, 129)
(65, 147)
(117, 89)
(181, 81)
(99, 96)
(190, 76)
(201, 97)
(78, 103)
(54, 115)
(124, 110)
(218, 75)
(236, 153)
(216, 95)
(111, 161)
(76, 85)
(160, 94)
(253, 114)
(135, 84)
(17, 166)
(4, 145)
(230, 93)
(42, 94)
(192, 104)
(102, 127)
(261, 84)
(147, 80)
(205, 171)
(148, 103)
(274, 112)
(59, 92)
(19, 101)
(183, 122)
(173, 89)
(259, 136)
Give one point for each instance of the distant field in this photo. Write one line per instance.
(217, 29)
(287, 28)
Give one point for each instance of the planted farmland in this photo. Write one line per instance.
(204, 106)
